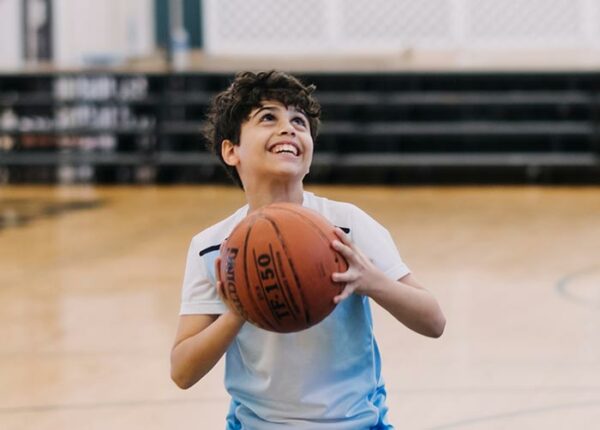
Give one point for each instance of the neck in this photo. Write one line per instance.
(265, 194)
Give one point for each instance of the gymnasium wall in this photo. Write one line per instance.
(250, 27)
(91, 32)
(388, 118)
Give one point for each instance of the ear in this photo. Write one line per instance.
(229, 153)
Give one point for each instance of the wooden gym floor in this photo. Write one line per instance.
(89, 293)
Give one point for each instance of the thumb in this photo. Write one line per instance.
(218, 269)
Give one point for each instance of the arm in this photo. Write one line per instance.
(200, 342)
(405, 299)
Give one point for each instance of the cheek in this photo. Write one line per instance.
(306, 138)
(309, 145)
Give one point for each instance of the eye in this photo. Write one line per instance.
(299, 120)
(267, 117)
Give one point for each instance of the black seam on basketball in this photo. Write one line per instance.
(255, 305)
(255, 261)
(266, 294)
(293, 306)
(305, 306)
(316, 227)
(327, 241)
(323, 236)
(287, 294)
(286, 284)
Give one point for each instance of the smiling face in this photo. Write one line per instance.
(275, 144)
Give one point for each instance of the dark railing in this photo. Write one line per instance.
(521, 127)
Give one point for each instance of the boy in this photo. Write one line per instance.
(328, 376)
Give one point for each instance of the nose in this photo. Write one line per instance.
(287, 128)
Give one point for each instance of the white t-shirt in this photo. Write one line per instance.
(325, 377)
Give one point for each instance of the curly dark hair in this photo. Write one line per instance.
(231, 108)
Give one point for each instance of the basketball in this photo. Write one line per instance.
(276, 268)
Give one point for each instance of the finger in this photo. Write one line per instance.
(345, 250)
(347, 292)
(357, 256)
(344, 277)
(343, 236)
(221, 291)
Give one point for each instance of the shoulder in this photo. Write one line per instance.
(328, 207)
(215, 234)
(342, 214)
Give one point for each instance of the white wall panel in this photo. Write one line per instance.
(296, 26)
(396, 19)
(525, 23)
(10, 34)
(364, 26)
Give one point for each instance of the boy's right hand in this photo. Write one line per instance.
(222, 292)
(219, 286)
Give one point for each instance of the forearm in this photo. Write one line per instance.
(405, 299)
(195, 356)
(413, 306)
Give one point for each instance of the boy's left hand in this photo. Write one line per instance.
(361, 275)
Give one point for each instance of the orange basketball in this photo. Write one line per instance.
(276, 268)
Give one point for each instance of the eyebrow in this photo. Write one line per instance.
(274, 107)
(262, 108)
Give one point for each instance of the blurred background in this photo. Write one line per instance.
(469, 128)
(437, 91)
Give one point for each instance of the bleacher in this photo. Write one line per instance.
(459, 127)
(392, 127)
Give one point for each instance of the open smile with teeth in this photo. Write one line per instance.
(287, 148)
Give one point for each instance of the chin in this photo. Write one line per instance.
(289, 174)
